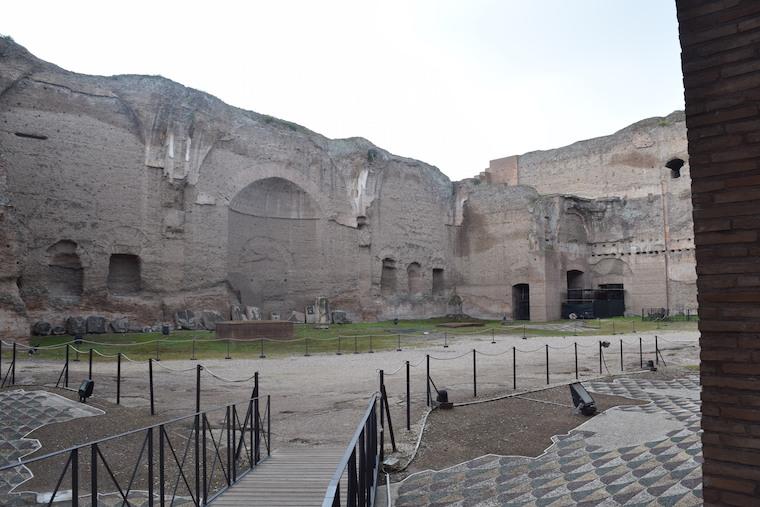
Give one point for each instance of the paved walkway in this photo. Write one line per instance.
(21, 412)
(635, 455)
(290, 477)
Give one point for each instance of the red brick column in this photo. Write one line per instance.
(721, 65)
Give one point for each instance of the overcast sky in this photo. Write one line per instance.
(452, 83)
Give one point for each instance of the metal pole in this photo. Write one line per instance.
(356, 350)
(547, 364)
(445, 340)
(474, 375)
(633, 326)
(524, 337)
(307, 347)
(408, 400)
(150, 381)
(66, 375)
(89, 373)
(158, 349)
(398, 347)
(269, 424)
(641, 354)
(13, 366)
(94, 475)
(493, 337)
(370, 345)
(656, 351)
(427, 377)
(75, 478)
(600, 358)
(261, 355)
(339, 352)
(118, 377)
(613, 326)
(576, 360)
(622, 366)
(193, 356)
(198, 369)
(514, 368)
(228, 349)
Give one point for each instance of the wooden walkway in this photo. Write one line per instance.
(290, 477)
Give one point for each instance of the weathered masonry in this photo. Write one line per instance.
(720, 43)
(134, 198)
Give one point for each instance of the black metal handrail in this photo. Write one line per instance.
(194, 470)
(362, 475)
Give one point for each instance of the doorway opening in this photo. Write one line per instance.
(521, 301)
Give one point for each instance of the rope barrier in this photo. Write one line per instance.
(451, 358)
(224, 379)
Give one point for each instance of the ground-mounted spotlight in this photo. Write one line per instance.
(582, 400)
(85, 389)
(442, 399)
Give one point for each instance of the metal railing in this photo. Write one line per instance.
(360, 463)
(199, 456)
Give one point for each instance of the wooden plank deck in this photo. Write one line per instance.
(290, 477)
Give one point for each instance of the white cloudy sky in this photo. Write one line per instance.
(452, 83)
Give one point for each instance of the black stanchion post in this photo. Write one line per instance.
(307, 347)
(641, 354)
(371, 351)
(398, 346)
(547, 364)
(493, 336)
(89, 368)
(524, 336)
(427, 377)
(656, 351)
(445, 340)
(339, 352)
(613, 326)
(356, 350)
(514, 368)
(474, 375)
(576, 360)
(261, 354)
(600, 358)
(228, 350)
(193, 358)
(198, 388)
(13, 366)
(118, 377)
(150, 382)
(158, 349)
(66, 373)
(622, 365)
(633, 326)
(408, 399)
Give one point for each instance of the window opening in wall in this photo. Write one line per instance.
(388, 277)
(414, 278)
(675, 166)
(65, 278)
(438, 282)
(124, 274)
(521, 301)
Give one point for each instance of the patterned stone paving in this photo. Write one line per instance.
(21, 412)
(664, 470)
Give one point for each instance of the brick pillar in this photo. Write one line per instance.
(720, 43)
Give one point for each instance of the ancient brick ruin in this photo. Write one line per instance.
(134, 198)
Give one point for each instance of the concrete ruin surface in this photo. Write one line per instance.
(139, 201)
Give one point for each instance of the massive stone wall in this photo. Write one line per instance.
(134, 198)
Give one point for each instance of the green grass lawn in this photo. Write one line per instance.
(348, 338)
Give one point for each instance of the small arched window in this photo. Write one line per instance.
(675, 166)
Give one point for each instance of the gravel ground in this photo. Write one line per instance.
(317, 400)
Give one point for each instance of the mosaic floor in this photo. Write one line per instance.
(634, 455)
(21, 412)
